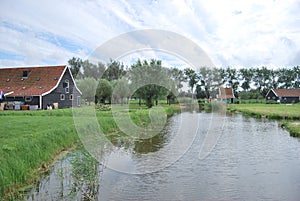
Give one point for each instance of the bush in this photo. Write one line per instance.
(271, 102)
(103, 107)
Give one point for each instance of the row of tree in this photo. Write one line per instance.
(149, 80)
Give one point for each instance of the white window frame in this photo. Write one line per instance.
(71, 97)
(28, 98)
(62, 96)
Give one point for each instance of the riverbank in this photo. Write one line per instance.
(30, 140)
(288, 114)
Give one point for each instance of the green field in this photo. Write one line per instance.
(289, 114)
(31, 139)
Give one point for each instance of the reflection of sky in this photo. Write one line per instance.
(247, 33)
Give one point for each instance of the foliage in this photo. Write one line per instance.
(252, 94)
(103, 107)
(75, 66)
(115, 70)
(88, 88)
(192, 77)
(121, 91)
(148, 80)
(104, 91)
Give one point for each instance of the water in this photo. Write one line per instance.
(251, 160)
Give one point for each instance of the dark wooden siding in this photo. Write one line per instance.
(35, 100)
(289, 99)
(55, 95)
(271, 96)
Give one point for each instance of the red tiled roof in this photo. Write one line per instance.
(287, 92)
(39, 81)
(226, 93)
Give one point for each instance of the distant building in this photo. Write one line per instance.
(284, 95)
(226, 95)
(39, 87)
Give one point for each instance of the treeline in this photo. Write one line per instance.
(114, 81)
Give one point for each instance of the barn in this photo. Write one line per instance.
(39, 87)
(226, 95)
(284, 95)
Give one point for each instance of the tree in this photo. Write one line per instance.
(231, 79)
(93, 70)
(262, 80)
(245, 76)
(104, 91)
(88, 88)
(178, 76)
(192, 78)
(148, 80)
(115, 70)
(75, 67)
(121, 90)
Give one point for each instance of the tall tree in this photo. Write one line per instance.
(231, 79)
(121, 90)
(114, 71)
(75, 67)
(245, 77)
(88, 88)
(148, 79)
(192, 78)
(178, 77)
(261, 80)
(104, 91)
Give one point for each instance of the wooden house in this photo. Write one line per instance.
(39, 87)
(284, 95)
(226, 95)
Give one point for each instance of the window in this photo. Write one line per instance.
(71, 96)
(66, 85)
(28, 98)
(62, 96)
(25, 73)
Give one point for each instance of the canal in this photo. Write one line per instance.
(228, 157)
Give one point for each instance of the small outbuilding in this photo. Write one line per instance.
(39, 87)
(284, 95)
(226, 95)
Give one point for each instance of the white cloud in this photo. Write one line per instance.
(235, 33)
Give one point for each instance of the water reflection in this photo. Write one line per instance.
(253, 160)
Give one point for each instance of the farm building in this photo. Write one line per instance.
(226, 95)
(284, 95)
(38, 87)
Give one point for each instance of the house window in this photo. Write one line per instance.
(71, 96)
(66, 85)
(268, 97)
(25, 73)
(62, 96)
(28, 98)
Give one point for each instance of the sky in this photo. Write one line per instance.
(248, 33)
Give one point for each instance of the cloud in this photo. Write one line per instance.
(235, 33)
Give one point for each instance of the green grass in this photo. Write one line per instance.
(30, 138)
(272, 111)
(290, 114)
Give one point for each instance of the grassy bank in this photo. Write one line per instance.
(29, 140)
(288, 114)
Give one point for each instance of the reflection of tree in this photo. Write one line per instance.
(153, 144)
(86, 174)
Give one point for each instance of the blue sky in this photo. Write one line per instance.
(232, 33)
